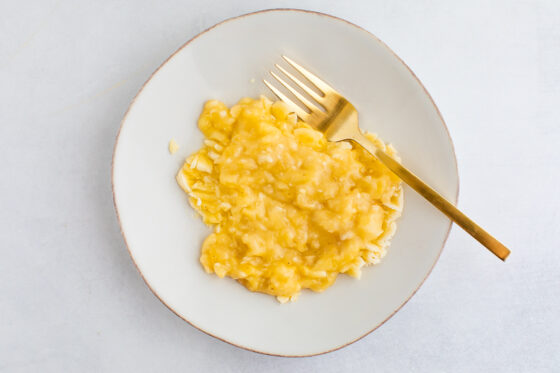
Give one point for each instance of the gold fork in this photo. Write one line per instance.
(339, 121)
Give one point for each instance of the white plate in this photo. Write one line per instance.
(163, 234)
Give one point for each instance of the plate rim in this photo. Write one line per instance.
(184, 45)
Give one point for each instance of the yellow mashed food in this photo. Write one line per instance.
(289, 209)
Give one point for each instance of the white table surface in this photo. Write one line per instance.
(71, 299)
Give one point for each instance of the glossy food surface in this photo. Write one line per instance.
(289, 209)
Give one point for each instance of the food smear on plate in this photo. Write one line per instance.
(289, 209)
(173, 146)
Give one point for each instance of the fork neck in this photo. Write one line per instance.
(342, 123)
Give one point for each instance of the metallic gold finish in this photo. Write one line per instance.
(339, 122)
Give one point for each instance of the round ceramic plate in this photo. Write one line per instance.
(164, 235)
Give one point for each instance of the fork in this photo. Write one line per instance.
(339, 122)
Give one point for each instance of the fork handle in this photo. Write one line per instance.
(435, 198)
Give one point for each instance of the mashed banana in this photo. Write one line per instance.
(290, 210)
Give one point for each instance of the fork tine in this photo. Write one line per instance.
(302, 85)
(312, 78)
(310, 105)
(295, 107)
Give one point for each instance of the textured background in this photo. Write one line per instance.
(71, 299)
